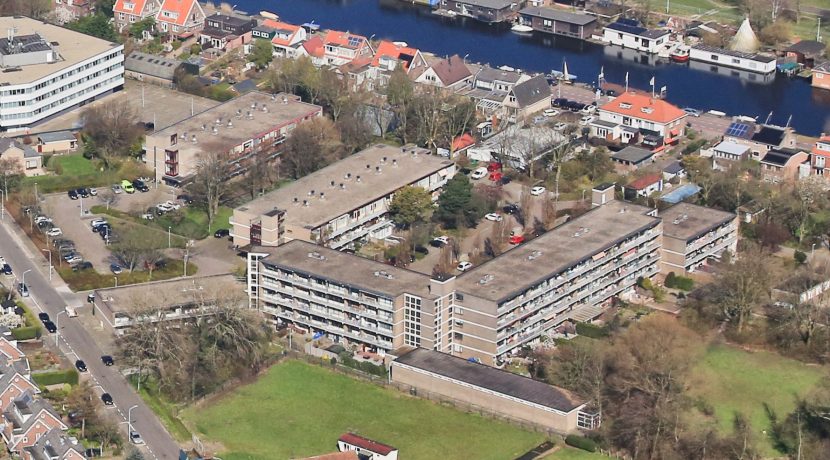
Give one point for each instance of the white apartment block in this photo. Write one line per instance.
(46, 69)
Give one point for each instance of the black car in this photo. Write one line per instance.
(559, 102)
(107, 399)
(421, 250)
(610, 92)
(221, 233)
(43, 317)
(80, 365)
(85, 265)
(83, 192)
(140, 186)
(505, 180)
(50, 326)
(7, 269)
(107, 360)
(510, 208)
(184, 198)
(73, 194)
(161, 263)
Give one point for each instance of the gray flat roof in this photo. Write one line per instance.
(150, 64)
(73, 47)
(633, 154)
(493, 4)
(732, 148)
(346, 269)
(410, 167)
(490, 378)
(740, 54)
(515, 271)
(236, 110)
(559, 15)
(56, 136)
(692, 220)
(487, 73)
(168, 293)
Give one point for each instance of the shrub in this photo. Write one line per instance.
(684, 284)
(591, 330)
(800, 257)
(670, 280)
(26, 333)
(581, 443)
(364, 366)
(53, 378)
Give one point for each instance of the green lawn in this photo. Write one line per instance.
(570, 453)
(72, 165)
(189, 222)
(732, 380)
(297, 409)
(164, 410)
(86, 280)
(75, 171)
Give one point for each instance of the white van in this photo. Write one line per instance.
(70, 311)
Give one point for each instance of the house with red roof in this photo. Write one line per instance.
(26, 420)
(180, 17)
(366, 448)
(643, 186)
(286, 38)
(391, 55)
(127, 12)
(633, 117)
(335, 48)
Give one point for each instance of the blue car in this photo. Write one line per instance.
(116, 269)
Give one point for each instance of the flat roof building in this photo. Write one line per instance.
(558, 22)
(255, 122)
(343, 202)
(693, 234)
(48, 69)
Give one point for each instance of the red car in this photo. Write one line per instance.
(516, 239)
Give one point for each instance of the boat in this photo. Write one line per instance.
(401, 44)
(269, 15)
(680, 54)
(521, 28)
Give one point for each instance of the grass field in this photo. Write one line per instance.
(297, 409)
(569, 453)
(189, 222)
(732, 380)
(72, 165)
(75, 171)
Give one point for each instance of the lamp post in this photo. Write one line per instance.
(130, 416)
(116, 281)
(168, 236)
(50, 262)
(813, 250)
(23, 278)
(2, 204)
(58, 325)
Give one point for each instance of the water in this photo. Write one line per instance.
(696, 87)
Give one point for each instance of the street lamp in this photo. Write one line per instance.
(130, 416)
(168, 236)
(813, 251)
(50, 262)
(23, 278)
(58, 325)
(116, 281)
(2, 205)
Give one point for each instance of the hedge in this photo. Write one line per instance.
(56, 377)
(591, 330)
(365, 366)
(581, 443)
(26, 332)
(679, 282)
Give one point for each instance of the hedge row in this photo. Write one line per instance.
(679, 282)
(26, 332)
(581, 443)
(53, 378)
(591, 330)
(365, 366)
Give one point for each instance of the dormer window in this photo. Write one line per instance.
(625, 105)
(129, 6)
(647, 110)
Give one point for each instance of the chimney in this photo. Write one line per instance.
(322, 196)
(332, 183)
(377, 169)
(342, 186)
(296, 201)
(358, 179)
(305, 203)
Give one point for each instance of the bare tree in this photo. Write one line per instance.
(12, 172)
(741, 286)
(108, 197)
(400, 94)
(429, 107)
(113, 127)
(211, 178)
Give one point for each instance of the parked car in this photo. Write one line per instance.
(127, 186)
(69, 254)
(116, 269)
(510, 208)
(40, 219)
(50, 326)
(464, 266)
(560, 126)
(479, 173)
(516, 239)
(588, 109)
(560, 102)
(85, 265)
(116, 188)
(163, 208)
(84, 193)
(586, 120)
(106, 398)
(140, 186)
(494, 217)
(185, 198)
(504, 180)
(421, 250)
(73, 194)
(93, 191)
(135, 438)
(221, 233)
(172, 204)
(80, 365)
(610, 92)
(54, 231)
(550, 112)
(7, 270)
(538, 190)
(148, 216)
(43, 317)
(102, 228)
(692, 112)
(97, 222)
(439, 241)
(107, 360)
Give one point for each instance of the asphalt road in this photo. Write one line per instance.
(76, 343)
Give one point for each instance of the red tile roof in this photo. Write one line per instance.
(281, 26)
(180, 7)
(368, 444)
(347, 455)
(335, 37)
(822, 147)
(138, 6)
(644, 107)
(391, 50)
(314, 46)
(645, 181)
(463, 141)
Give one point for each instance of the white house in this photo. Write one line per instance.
(366, 448)
(752, 62)
(629, 34)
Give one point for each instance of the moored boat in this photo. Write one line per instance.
(680, 54)
(521, 28)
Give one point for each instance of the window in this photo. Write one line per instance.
(412, 320)
(173, 139)
(736, 61)
(714, 57)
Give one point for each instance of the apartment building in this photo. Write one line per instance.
(128, 12)
(693, 234)
(50, 69)
(341, 203)
(255, 123)
(570, 273)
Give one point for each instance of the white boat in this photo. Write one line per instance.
(521, 29)
(269, 15)
(401, 44)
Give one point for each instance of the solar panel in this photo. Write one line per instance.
(737, 129)
(354, 42)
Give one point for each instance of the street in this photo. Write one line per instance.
(76, 343)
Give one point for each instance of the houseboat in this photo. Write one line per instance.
(750, 62)
(488, 11)
(557, 22)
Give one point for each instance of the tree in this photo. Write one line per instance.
(97, 25)
(400, 93)
(800, 257)
(12, 172)
(134, 454)
(805, 432)
(210, 182)
(741, 286)
(311, 146)
(457, 120)
(262, 53)
(597, 162)
(31, 8)
(409, 205)
(134, 248)
(114, 129)
(580, 366)
(454, 201)
(108, 197)
(137, 28)
(775, 33)
(429, 106)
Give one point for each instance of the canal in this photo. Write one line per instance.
(695, 85)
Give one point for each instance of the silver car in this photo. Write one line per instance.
(116, 188)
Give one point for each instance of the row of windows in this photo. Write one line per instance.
(62, 101)
(41, 85)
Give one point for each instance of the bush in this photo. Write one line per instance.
(581, 443)
(53, 378)
(365, 366)
(26, 333)
(800, 257)
(670, 279)
(684, 284)
(591, 330)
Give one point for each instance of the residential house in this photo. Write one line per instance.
(727, 153)
(286, 38)
(752, 62)
(451, 73)
(559, 22)
(526, 98)
(253, 125)
(55, 445)
(491, 86)
(156, 70)
(23, 156)
(70, 10)
(760, 139)
(821, 75)
(806, 52)
(631, 159)
(366, 448)
(225, 32)
(781, 165)
(56, 142)
(358, 73)
(674, 170)
(643, 187)
(820, 159)
(183, 18)
(489, 11)
(9, 352)
(335, 48)
(628, 33)
(632, 115)
(390, 55)
(26, 420)
(692, 235)
(502, 392)
(751, 212)
(128, 12)
(15, 381)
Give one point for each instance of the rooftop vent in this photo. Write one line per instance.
(230, 123)
(238, 113)
(395, 163)
(305, 203)
(486, 279)
(623, 210)
(204, 127)
(348, 176)
(322, 196)
(284, 100)
(368, 166)
(250, 115)
(264, 108)
(357, 179)
(253, 105)
(342, 186)
(193, 139)
(215, 131)
(534, 255)
(331, 183)
(316, 255)
(377, 170)
(383, 274)
(296, 201)
(218, 121)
